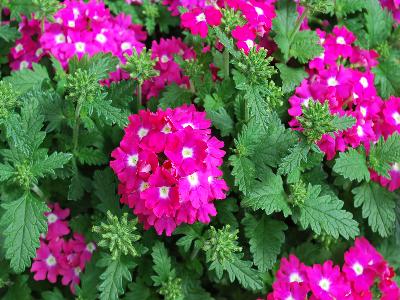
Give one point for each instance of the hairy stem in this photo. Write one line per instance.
(226, 63)
(298, 24)
(139, 95)
(75, 134)
(39, 192)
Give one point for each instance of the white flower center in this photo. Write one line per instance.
(51, 261)
(142, 132)
(143, 186)
(101, 38)
(166, 129)
(360, 131)
(193, 179)
(39, 52)
(396, 117)
(324, 284)
(259, 10)
(90, 247)
(133, 160)
(358, 269)
(60, 38)
(295, 277)
(51, 218)
(364, 82)
(332, 81)
(306, 102)
(340, 40)
(289, 297)
(19, 47)
(23, 65)
(164, 59)
(187, 152)
(322, 41)
(80, 47)
(355, 96)
(164, 192)
(201, 17)
(188, 124)
(396, 167)
(77, 271)
(249, 43)
(76, 13)
(71, 24)
(363, 111)
(210, 179)
(126, 46)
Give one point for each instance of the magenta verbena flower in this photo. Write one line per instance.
(168, 167)
(80, 28)
(364, 271)
(58, 255)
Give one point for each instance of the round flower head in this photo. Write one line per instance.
(57, 226)
(168, 167)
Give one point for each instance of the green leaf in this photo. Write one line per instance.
(161, 264)
(325, 214)
(55, 294)
(266, 237)
(291, 77)
(378, 23)
(23, 222)
(387, 78)
(46, 165)
(110, 114)
(174, 96)
(227, 42)
(244, 172)
(115, 276)
(8, 34)
(138, 290)
(378, 205)
(105, 187)
(342, 123)
(241, 270)
(89, 281)
(19, 290)
(27, 79)
(248, 139)
(384, 153)
(191, 234)
(100, 65)
(343, 8)
(303, 45)
(6, 172)
(79, 184)
(352, 165)
(267, 194)
(91, 156)
(278, 136)
(297, 154)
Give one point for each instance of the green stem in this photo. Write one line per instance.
(42, 25)
(39, 192)
(75, 134)
(246, 111)
(194, 253)
(226, 63)
(139, 95)
(298, 24)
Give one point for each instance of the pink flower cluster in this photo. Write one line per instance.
(342, 76)
(173, 5)
(80, 28)
(58, 256)
(168, 167)
(363, 267)
(27, 49)
(394, 7)
(163, 52)
(258, 14)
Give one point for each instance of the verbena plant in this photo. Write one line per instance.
(190, 150)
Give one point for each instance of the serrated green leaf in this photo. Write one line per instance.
(161, 264)
(47, 165)
(297, 154)
(174, 96)
(104, 187)
(8, 33)
(191, 234)
(79, 184)
(384, 153)
(55, 294)
(19, 290)
(344, 7)
(109, 114)
(267, 194)
(266, 237)
(387, 78)
(6, 172)
(378, 23)
(305, 46)
(23, 222)
(244, 172)
(291, 77)
(325, 214)
(91, 156)
(227, 42)
(27, 79)
(378, 205)
(115, 276)
(99, 65)
(241, 270)
(352, 165)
